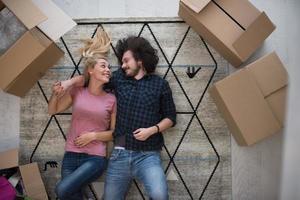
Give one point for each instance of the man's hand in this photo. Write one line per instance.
(143, 134)
(76, 81)
(84, 139)
(57, 90)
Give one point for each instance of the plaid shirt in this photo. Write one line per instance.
(141, 104)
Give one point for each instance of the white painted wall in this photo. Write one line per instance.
(9, 121)
(118, 8)
(290, 186)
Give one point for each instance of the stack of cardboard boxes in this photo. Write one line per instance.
(251, 100)
(28, 176)
(24, 63)
(27, 60)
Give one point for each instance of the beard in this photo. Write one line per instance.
(132, 72)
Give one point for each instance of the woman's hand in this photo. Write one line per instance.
(143, 134)
(67, 84)
(84, 139)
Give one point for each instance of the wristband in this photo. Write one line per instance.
(157, 128)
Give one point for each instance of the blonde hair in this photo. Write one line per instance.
(94, 49)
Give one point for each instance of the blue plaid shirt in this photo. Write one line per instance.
(141, 104)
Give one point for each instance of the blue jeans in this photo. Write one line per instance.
(144, 166)
(78, 170)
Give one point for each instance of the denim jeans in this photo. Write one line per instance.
(78, 170)
(144, 166)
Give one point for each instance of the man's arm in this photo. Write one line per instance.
(144, 133)
(167, 108)
(163, 125)
(168, 112)
(76, 81)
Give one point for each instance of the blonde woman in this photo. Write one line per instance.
(93, 120)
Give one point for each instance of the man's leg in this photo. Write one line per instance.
(148, 170)
(88, 170)
(118, 175)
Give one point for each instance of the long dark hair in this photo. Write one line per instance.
(142, 51)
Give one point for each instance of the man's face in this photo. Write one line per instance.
(130, 66)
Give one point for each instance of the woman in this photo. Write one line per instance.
(93, 120)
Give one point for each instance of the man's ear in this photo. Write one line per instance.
(140, 63)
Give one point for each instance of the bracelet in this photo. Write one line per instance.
(157, 128)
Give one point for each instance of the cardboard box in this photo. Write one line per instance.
(57, 23)
(33, 184)
(26, 61)
(235, 28)
(44, 14)
(21, 67)
(25, 10)
(1, 5)
(252, 100)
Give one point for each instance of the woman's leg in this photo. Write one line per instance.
(90, 168)
(69, 164)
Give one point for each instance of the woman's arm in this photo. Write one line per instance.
(107, 135)
(103, 136)
(59, 100)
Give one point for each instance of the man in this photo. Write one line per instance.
(145, 108)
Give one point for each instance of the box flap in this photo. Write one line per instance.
(242, 11)
(22, 84)
(196, 5)
(277, 102)
(247, 107)
(32, 180)
(9, 159)
(207, 24)
(40, 37)
(15, 60)
(29, 14)
(210, 25)
(225, 112)
(58, 22)
(37, 68)
(269, 73)
(254, 36)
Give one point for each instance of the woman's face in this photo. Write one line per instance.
(101, 71)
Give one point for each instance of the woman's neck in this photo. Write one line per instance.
(95, 87)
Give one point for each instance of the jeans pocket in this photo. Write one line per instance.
(115, 153)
